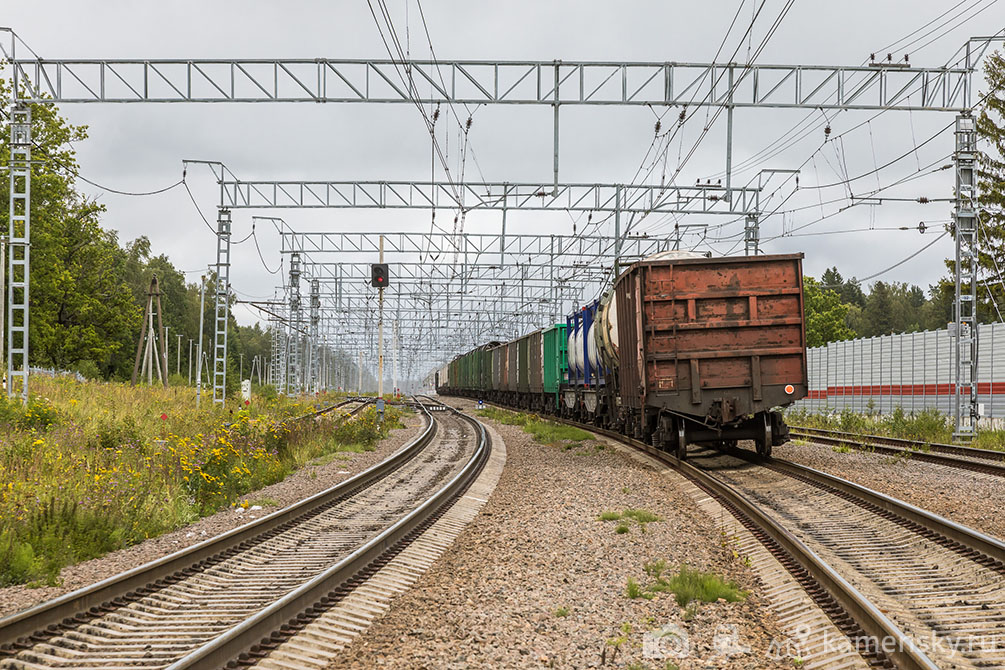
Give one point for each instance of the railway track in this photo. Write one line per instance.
(908, 589)
(233, 598)
(951, 455)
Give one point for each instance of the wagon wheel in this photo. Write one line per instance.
(681, 440)
(763, 442)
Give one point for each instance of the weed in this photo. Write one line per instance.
(798, 661)
(635, 590)
(640, 515)
(562, 612)
(692, 585)
(690, 612)
(841, 449)
(543, 431)
(264, 501)
(655, 569)
(624, 489)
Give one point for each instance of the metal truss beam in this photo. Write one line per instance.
(322, 80)
(535, 196)
(486, 249)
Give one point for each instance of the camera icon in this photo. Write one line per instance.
(670, 641)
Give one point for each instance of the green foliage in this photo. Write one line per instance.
(693, 585)
(544, 431)
(926, 426)
(839, 309)
(640, 516)
(634, 590)
(825, 315)
(991, 190)
(88, 292)
(91, 467)
(59, 533)
(39, 414)
(562, 612)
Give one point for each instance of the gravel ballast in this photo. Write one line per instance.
(536, 580)
(301, 484)
(973, 499)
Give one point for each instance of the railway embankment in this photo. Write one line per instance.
(541, 579)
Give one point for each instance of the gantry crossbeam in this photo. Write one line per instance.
(535, 196)
(473, 82)
(474, 246)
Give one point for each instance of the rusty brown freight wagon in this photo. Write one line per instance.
(706, 347)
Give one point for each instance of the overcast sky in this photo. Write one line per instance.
(140, 147)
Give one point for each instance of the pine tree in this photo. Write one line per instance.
(991, 192)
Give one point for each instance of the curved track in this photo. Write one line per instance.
(951, 455)
(207, 605)
(885, 572)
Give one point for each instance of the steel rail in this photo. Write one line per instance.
(966, 458)
(974, 542)
(248, 639)
(83, 604)
(903, 651)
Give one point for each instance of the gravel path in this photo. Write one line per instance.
(299, 485)
(496, 599)
(971, 498)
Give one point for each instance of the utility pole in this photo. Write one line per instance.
(359, 384)
(190, 361)
(394, 353)
(380, 330)
(166, 345)
(177, 363)
(202, 314)
(965, 407)
(241, 369)
(146, 348)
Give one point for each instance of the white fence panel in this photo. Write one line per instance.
(913, 371)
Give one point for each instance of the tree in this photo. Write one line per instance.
(849, 291)
(81, 307)
(825, 315)
(990, 206)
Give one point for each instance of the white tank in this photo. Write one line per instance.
(591, 348)
(612, 323)
(573, 361)
(580, 359)
(606, 335)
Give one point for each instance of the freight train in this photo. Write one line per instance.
(681, 349)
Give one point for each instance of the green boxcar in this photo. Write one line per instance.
(556, 365)
(523, 361)
(485, 369)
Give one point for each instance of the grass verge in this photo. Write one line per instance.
(88, 468)
(543, 431)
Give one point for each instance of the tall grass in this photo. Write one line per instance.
(91, 467)
(927, 426)
(544, 431)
